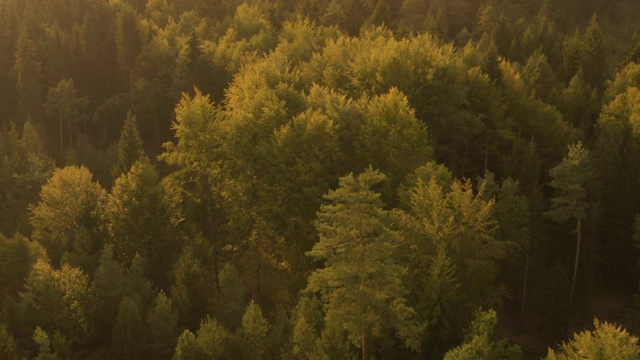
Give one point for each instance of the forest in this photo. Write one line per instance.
(319, 179)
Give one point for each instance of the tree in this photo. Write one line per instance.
(307, 321)
(63, 104)
(479, 343)
(196, 153)
(569, 181)
(141, 220)
(162, 328)
(129, 147)
(129, 40)
(24, 168)
(108, 286)
(606, 341)
(70, 206)
(187, 348)
(8, 347)
(128, 330)
(253, 333)
(212, 341)
(41, 338)
(361, 282)
(28, 71)
(192, 287)
(58, 301)
(453, 254)
(229, 306)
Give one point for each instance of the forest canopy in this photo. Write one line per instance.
(319, 179)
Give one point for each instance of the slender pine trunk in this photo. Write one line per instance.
(524, 286)
(365, 350)
(70, 135)
(486, 156)
(61, 137)
(210, 233)
(575, 265)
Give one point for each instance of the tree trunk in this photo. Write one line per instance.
(70, 135)
(365, 350)
(61, 138)
(210, 233)
(486, 159)
(575, 265)
(524, 286)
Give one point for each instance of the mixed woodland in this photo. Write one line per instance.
(319, 179)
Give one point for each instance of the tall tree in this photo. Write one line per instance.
(479, 342)
(70, 206)
(254, 333)
(569, 181)
(127, 331)
(28, 71)
(361, 282)
(141, 220)
(58, 301)
(63, 104)
(162, 328)
(24, 168)
(606, 341)
(129, 147)
(196, 153)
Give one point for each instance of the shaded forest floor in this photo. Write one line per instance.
(535, 335)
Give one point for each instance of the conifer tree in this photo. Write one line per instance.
(64, 105)
(606, 341)
(128, 330)
(129, 147)
(569, 181)
(70, 205)
(361, 280)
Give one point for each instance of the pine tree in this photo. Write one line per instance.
(361, 280)
(569, 180)
(253, 333)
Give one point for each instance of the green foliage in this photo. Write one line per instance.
(70, 203)
(129, 147)
(282, 99)
(307, 320)
(41, 338)
(192, 289)
(17, 254)
(28, 71)
(57, 301)
(479, 343)
(187, 348)
(253, 335)
(8, 346)
(24, 168)
(140, 221)
(128, 329)
(229, 306)
(569, 181)
(358, 248)
(162, 327)
(64, 106)
(606, 341)
(212, 341)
